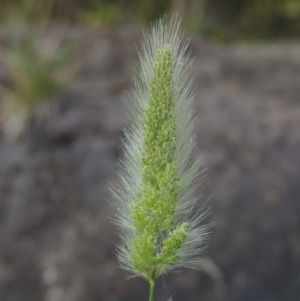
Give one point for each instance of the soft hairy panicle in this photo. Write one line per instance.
(158, 223)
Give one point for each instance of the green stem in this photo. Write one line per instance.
(151, 293)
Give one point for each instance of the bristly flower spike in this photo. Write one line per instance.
(158, 220)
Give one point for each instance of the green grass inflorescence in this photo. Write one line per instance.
(159, 226)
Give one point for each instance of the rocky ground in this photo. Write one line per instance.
(56, 239)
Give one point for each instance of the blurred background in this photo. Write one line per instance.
(64, 67)
(222, 20)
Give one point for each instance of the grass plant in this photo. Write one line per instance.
(158, 216)
(39, 71)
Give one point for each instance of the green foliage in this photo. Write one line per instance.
(25, 10)
(252, 19)
(38, 72)
(220, 19)
(106, 14)
(272, 19)
(91, 12)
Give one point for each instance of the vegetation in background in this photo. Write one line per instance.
(219, 19)
(12, 11)
(38, 72)
(252, 19)
(102, 14)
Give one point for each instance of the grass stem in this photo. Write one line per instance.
(151, 293)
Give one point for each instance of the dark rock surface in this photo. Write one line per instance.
(56, 240)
